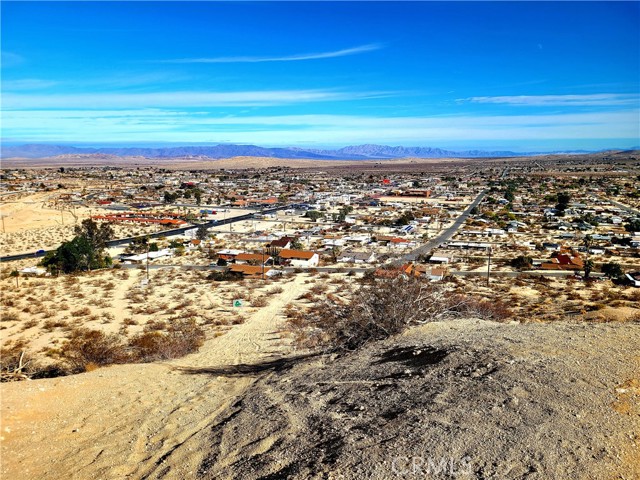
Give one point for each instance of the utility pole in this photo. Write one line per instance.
(147, 262)
(489, 268)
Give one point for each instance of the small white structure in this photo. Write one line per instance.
(142, 257)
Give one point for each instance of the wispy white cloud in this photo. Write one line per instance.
(10, 59)
(179, 126)
(286, 58)
(589, 100)
(180, 99)
(27, 84)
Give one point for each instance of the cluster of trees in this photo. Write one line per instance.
(84, 252)
(342, 214)
(188, 193)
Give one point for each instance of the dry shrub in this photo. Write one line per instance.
(9, 317)
(49, 325)
(29, 324)
(259, 301)
(85, 346)
(181, 338)
(275, 290)
(17, 363)
(478, 308)
(81, 312)
(379, 308)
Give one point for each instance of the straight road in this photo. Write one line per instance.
(176, 231)
(621, 206)
(446, 235)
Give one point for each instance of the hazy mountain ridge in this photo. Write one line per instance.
(356, 152)
(353, 152)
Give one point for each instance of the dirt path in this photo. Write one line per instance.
(133, 421)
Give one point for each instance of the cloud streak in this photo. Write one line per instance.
(180, 99)
(143, 125)
(10, 59)
(287, 58)
(591, 100)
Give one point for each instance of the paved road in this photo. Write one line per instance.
(446, 235)
(176, 231)
(621, 206)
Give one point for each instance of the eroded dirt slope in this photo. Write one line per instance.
(449, 400)
(462, 399)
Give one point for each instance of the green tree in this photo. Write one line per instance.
(76, 255)
(588, 268)
(563, 201)
(612, 270)
(170, 197)
(202, 233)
(522, 262)
(296, 244)
(96, 235)
(633, 225)
(314, 215)
(138, 245)
(84, 252)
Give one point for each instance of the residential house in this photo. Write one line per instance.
(566, 259)
(252, 259)
(350, 256)
(299, 258)
(283, 242)
(634, 278)
(249, 271)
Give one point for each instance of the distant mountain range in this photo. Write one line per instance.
(357, 152)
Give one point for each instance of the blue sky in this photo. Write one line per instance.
(516, 75)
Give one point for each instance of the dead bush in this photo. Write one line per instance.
(261, 301)
(181, 338)
(9, 317)
(379, 308)
(81, 312)
(18, 363)
(479, 308)
(84, 346)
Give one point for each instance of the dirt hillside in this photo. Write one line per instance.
(462, 399)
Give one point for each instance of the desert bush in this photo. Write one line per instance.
(84, 346)
(49, 325)
(181, 338)
(378, 309)
(29, 324)
(81, 312)
(261, 301)
(275, 290)
(18, 363)
(9, 317)
(479, 308)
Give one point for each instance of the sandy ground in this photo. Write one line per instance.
(461, 399)
(36, 221)
(516, 401)
(133, 421)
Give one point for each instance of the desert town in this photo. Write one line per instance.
(491, 228)
(234, 258)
